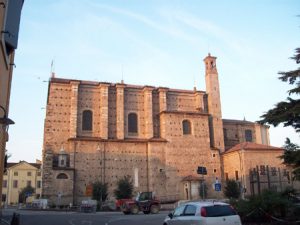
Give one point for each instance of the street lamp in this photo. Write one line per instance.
(5, 121)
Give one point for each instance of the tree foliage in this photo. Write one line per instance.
(232, 189)
(25, 192)
(291, 157)
(287, 112)
(124, 188)
(99, 191)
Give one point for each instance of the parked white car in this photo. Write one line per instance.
(203, 213)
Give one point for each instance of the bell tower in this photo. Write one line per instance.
(214, 103)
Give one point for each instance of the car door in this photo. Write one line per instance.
(177, 214)
(188, 217)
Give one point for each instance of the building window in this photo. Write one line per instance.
(29, 183)
(87, 120)
(186, 127)
(132, 123)
(262, 170)
(226, 176)
(4, 183)
(15, 184)
(225, 133)
(29, 174)
(62, 176)
(236, 175)
(39, 173)
(15, 173)
(38, 184)
(3, 197)
(273, 171)
(248, 135)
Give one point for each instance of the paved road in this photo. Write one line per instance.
(75, 218)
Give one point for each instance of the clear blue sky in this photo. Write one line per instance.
(159, 43)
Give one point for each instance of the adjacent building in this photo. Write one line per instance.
(10, 12)
(96, 131)
(18, 176)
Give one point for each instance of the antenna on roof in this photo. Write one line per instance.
(52, 69)
(195, 89)
(122, 81)
(244, 118)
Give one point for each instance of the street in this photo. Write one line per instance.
(28, 217)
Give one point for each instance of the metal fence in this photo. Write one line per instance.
(266, 177)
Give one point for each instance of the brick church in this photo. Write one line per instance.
(97, 131)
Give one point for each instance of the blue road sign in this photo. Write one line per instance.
(217, 187)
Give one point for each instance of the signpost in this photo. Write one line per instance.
(218, 187)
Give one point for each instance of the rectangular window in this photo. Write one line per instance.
(4, 183)
(38, 184)
(3, 197)
(226, 176)
(29, 174)
(248, 135)
(39, 173)
(262, 170)
(273, 171)
(28, 183)
(16, 173)
(15, 184)
(236, 175)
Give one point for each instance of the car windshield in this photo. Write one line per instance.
(219, 210)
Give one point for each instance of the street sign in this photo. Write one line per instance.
(202, 170)
(217, 186)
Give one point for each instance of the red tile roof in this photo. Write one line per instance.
(252, 146)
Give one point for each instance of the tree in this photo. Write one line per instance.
(25, 192)
(99, 191)
(287, 112)
(291, 157)
(232, 189)
(124, 188)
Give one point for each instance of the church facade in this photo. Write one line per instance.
(96, 131)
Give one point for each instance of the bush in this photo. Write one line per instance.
(259, 208)
(124, 188)
(99, 191)
(232, 189)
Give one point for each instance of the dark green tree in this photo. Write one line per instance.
(287, 112)
(25, 192)
(232, 189)
(99, 191)
(124, 188)
(291, 157)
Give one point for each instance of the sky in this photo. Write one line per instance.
(158, 43)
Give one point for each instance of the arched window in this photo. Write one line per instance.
(186, 127)
(62, 176)
(87, 120)
(132, 123)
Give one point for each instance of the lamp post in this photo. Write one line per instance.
(4, 125)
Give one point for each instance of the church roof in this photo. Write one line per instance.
(237, 121)
(11, 164)
(252, 146)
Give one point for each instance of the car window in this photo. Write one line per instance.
(219, 210)
(190, 210)
(179, 211)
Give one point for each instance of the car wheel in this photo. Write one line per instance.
(134, 209)
(154, 209)
(146, 212)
